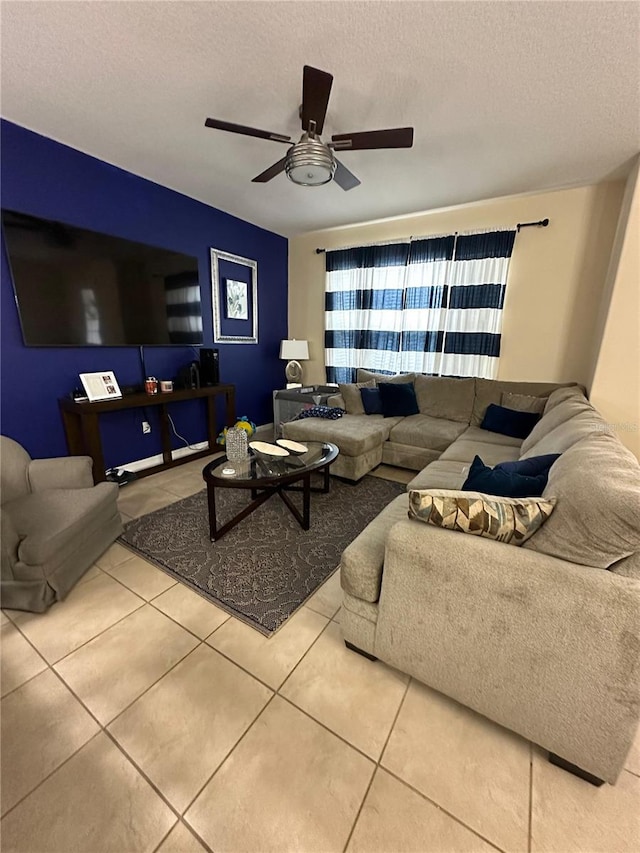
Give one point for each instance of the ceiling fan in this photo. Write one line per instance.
(310, 162)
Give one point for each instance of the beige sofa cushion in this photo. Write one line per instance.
(524, 402)
(441, 475)
(568, 407)
(425, 431)
(362, 560)
(561, 394)
(353, 398)
(486, 436)
(597, 486)
(363, 375)
(463, 450)
(491, 391)
(442, 397)
(567, 434)
(353, 434)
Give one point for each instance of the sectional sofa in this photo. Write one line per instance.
(544, 639)
(451, 410)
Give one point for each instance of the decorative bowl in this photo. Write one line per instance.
(294, 447)
(268, 451)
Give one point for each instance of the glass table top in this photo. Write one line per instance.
(259, 467)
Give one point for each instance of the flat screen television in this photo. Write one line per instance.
(76, 287)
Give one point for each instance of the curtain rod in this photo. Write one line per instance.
(541, 223)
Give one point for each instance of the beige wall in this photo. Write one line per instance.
(616, 382)
(555, 286)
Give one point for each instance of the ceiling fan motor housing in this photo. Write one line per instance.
(310, 162)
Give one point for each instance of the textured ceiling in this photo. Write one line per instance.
(505, 97)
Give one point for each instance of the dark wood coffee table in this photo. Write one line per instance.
(267, 477)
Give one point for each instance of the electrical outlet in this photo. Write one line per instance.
(146, 427)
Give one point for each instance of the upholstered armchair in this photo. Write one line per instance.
(55, 523)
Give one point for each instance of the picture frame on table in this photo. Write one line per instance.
(101, 386)
(234, 285)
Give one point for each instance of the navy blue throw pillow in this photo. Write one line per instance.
(371, 401)
(509, 421)
(504, 484)
(532, 466)
(398, 399)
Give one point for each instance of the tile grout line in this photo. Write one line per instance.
(251, 725)
(190, 830)
(377, 763)
(441, 808)
(226, 757)
(102, 728)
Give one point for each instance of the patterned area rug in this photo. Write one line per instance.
(264, 569)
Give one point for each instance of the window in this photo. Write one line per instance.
(430, 306)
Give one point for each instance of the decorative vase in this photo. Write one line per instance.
(237, 444)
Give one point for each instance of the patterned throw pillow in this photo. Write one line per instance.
(331, 413)
(511, 520)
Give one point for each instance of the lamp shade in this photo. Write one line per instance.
(294, 350)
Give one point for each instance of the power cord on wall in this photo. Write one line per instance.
(181, 437)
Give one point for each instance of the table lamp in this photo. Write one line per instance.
(294, 352)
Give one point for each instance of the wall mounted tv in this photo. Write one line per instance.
(76, 287)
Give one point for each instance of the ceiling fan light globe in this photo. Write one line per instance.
(310, 163)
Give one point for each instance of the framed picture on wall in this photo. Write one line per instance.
(236, 297)
(234, 291)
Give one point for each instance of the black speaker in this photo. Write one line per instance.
(209, 367)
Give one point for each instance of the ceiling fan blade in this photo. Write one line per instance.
(269, 173)
(246, 131)
(397, 137)
(344, 178)
(316, 88)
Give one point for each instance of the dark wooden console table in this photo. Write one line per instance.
(82, 426)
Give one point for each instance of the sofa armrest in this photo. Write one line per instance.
(9, 542)
(66, 472)
(544, 647)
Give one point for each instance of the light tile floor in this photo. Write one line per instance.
(137, 716)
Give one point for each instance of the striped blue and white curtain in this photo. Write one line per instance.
(432, 306)
(363, 309)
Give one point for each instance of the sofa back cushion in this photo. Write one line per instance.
(363, 375)
(567, 434)
(524, 402)
(14, 470)
(491, 391)
(561, 394)
(596, 521)
(443, 397)
(569, 407)
(352, 397)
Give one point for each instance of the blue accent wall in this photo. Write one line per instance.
(44, 178)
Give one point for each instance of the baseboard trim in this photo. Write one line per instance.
(178, 453)
(150, 461)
